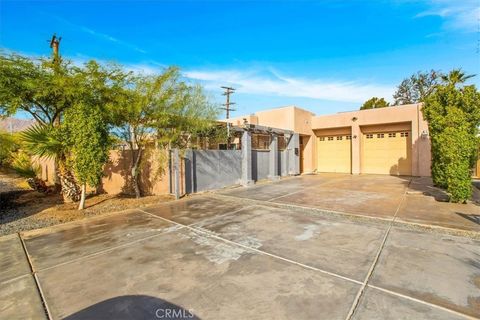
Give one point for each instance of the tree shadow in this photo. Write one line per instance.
(118, 170)
(424, 185)
(154, 167)
(133, 307)
(475, 218)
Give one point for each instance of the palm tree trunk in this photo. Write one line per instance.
(70, 189)
(81, 205)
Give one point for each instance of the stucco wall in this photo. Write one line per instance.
(383, 119)
(154, 179)
(289, 118)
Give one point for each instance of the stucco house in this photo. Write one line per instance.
(393, 140)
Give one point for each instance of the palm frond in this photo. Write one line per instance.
(40, 140)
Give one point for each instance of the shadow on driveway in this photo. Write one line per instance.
(133, 307)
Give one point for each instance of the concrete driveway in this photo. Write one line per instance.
(302, 248)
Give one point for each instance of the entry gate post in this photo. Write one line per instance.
(247, 158)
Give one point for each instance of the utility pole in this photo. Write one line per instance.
(55, 46)
(227, 93)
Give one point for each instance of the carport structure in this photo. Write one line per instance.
(250, 253)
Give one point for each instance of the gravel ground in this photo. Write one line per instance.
(23, 209)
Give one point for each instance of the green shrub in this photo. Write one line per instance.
(8, 146)
(455, 150)
(453, 115)
(23, 166)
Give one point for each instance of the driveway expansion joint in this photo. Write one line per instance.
(360, 293)
(398, 221)
(36, 280)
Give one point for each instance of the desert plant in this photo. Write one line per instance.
(8, 146)
(46, 141)
(453, 115)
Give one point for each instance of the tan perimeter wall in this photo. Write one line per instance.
(154, 179)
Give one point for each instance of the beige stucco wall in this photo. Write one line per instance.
(384, 119)
(154, 179)
(309, 126)
(289, 118)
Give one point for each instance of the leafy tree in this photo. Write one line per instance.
(374, 103)
(453, 114)
(35, 86)
(456, 76)
(417, 87)
(44, 89)
(159, 108)
(88, 142)
(90, 86)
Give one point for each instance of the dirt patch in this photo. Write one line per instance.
(22, 209)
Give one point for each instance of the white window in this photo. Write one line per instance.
(369, 136)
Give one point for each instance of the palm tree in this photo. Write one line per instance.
(456, 76)
(44, 141)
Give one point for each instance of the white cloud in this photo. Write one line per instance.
(100, 35)
(273, 83)
(458, 14)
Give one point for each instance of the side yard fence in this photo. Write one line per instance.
(180, 173)
(214, 169)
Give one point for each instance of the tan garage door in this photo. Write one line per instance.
(334, 153)
(387, 153)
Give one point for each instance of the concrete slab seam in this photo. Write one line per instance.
(301, 190)
(398, 221)
(375, 261)
(213, 235)
(65, 225)
(15, 278)
(107, 250)
(422, 302)
(36, 280)
(221, 215)
(309, 209)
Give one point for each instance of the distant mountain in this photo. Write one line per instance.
(15, 125)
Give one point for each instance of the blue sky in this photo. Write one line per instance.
(325, 56)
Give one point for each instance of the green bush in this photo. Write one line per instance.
(8, 146)
(23, 166)
(453, 115)
(455, 150)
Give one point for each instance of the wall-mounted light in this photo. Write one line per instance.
(424, 134)
(354, 119)
(354, 136)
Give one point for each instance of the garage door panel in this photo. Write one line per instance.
(334, 154)
(387, 153)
